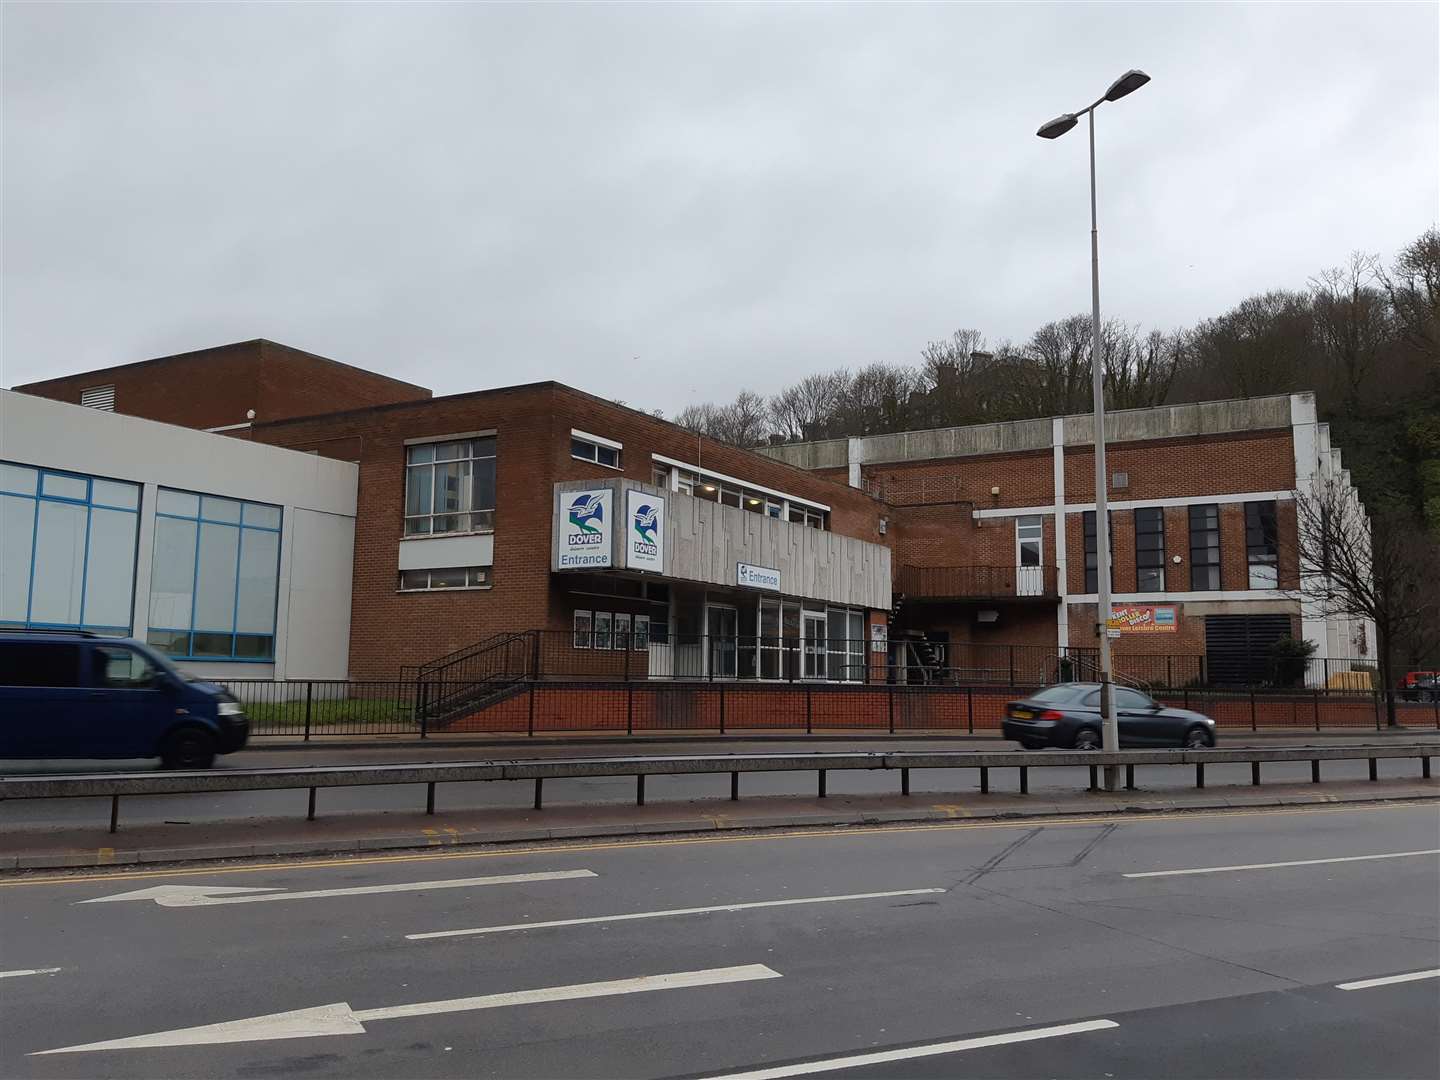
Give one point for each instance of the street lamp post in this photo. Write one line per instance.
(1110, 731)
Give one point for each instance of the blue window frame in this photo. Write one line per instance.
(215, 577)
(67, 549)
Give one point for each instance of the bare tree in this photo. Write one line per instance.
(806, 410)
(744, 422)
(1353, 327)
(1413, 286)
(1351, 567)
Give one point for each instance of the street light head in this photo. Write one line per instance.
(1128, 83)
(1057, 127)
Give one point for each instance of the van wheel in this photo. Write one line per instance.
(188, 748)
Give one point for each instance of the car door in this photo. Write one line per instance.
(132, 708)
(43, 695)
(1141, 720)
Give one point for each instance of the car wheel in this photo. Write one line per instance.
(1197, 738)
(1087, 738)
(188, 748)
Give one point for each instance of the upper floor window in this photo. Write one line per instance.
(1092, 546)
(587, 447)
(1261, 545)
(728, 491)
(1205, 547)
(1150, 549)
(450, 486)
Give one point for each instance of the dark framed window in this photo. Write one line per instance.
(1150, 549)
(1205, 548)
(1092, 546)
(453, 577)
(592, 450)
(1262, 545)
(450, 487)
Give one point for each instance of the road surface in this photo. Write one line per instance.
(1241, 945)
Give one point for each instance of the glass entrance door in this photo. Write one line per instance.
(1029, 542)
(721, 627)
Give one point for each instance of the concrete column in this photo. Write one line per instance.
(853, 458)
(1062, 577)
(144, 561)
(1310, 441)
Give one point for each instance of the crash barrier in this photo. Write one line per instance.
(117, 785)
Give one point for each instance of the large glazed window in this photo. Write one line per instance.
(450, 487)
(1262, 545)
(215, 577)
(1150, 549)
(67, 549)
(1205, 547)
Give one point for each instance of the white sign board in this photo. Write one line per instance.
(879, 638)
(586, 521)
(757, 577)
(644, 531)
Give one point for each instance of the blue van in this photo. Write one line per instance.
(72, 694)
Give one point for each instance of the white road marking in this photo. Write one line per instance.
(666, 914)
(27, 971)
(1389, 980)
(883, 1056)
(340, 1019)
(208, 895)
(1278, 865)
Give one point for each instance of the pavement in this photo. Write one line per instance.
(1288, 942)
(154, 829)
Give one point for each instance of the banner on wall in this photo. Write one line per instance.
(585, 529)
(644, 531)
(1144, 618)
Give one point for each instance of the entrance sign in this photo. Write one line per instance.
(757, 577)
(585, 529)
(1143, 619)
(644, 531)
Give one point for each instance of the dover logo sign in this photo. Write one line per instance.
(645, 531)
(585, 535)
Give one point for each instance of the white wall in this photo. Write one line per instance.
(317, 494)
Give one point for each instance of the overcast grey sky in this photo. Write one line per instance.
(667, 203)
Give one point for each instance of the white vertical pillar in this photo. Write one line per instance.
(282, 591)
(1306, 437)
(853, 459)
(1062, 578)
(144, 562)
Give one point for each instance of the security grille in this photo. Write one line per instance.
(1237, 647)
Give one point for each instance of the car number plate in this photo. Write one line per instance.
(1022, 714)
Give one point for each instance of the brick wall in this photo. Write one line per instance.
(217, 387)
(1187, 468)
(532, 425)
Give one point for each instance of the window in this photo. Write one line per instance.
(846, 646)
(99, 397)
(1133, 700)
(807, 516)
(726, 490)
(450, 487)
(660, 477)
(67, 550)
(453, 577)
(215, 576)
(1261, 545)
(40, 663)
(122, 669)
(1205, 548)
(582, 629)
(603, 622)
(642, 633)
(621, 639)
(588, 447)
(1150, 549)
(1092, 566)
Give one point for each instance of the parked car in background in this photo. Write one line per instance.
(71, 694)
(1420, 686)
(1068, 715)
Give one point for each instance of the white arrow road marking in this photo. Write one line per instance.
(27, 971)
(340, 1019)
(808, 1068)
(666, 914)
(207, 895)
(1389, 980)
(1278, 865)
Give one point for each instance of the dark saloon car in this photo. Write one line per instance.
(1068, 715)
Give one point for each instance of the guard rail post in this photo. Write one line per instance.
(114, 813)
(1315, 772)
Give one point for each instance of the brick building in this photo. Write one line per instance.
(637, 546)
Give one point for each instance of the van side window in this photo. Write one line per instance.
(39, 663)
(121, 668)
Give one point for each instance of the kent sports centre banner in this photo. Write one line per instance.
(644, 531)
(586, 520)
